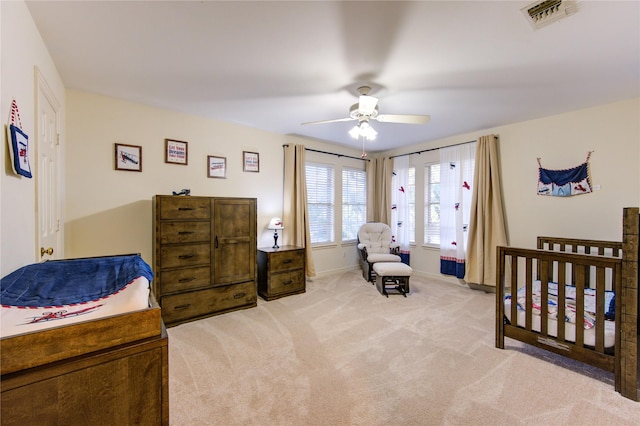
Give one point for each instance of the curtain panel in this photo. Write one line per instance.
(487, 229)
(400, 214)
(379, 172)
(456, 179)
(294, 212)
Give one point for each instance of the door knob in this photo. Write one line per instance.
(44, 251)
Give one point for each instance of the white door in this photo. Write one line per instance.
(47, 173)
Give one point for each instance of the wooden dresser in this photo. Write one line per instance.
(281, 272)
(204, 256)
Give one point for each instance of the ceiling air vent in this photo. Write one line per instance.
(543, 13)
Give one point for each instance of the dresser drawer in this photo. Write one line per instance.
(285, 260)
(194, 304)
(185, 279)
(184, 208)
(187, 255)
(184, 232)
(287, 282)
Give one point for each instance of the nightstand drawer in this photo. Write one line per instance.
(187, 255)
(285, 260)
(287, 282)
(185, 279)
(184, 208)
(184, 232)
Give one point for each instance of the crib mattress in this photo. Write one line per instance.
(569, 328)
(26, 319)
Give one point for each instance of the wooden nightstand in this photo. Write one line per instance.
(280, 272)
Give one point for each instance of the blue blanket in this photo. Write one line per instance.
(64, 282)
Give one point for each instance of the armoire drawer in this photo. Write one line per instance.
(194, 304)
(184, 208)
(187, 255)
(185, 279)
(184, 232)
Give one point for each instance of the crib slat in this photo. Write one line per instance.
(544, 299)
(579, 283)
(529, 293)
(514, 290)
(561, 300)
(600, 308)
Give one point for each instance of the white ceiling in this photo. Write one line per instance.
(273, 65)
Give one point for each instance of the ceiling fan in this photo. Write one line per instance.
(367, 109)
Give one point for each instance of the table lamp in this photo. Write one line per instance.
(275, 224)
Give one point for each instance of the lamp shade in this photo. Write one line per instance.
(275, 223)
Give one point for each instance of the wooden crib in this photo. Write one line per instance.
(558, 280)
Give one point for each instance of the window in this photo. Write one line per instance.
(320, 200)
(354, 202)
(432, 203)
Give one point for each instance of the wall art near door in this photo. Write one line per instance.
(250, 161)
(216, 167)
(176, 152)
(128, 157)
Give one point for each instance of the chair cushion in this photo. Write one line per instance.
(375, 236)
(392, 269)
(382, 257)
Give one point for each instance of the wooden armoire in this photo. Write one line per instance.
(204, 256)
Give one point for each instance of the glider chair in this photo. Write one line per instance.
(374, 245)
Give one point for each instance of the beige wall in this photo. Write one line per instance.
(109, 211)
(22, 51)
(562, 141)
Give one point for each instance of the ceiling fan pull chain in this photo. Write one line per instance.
(364, 154)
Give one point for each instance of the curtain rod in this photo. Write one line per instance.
(331, 153)
(431, 149)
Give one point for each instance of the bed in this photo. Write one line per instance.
(576, 298)
(82, 342)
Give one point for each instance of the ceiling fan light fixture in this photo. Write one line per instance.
(367, 104)
(364, 130)
(355, 132)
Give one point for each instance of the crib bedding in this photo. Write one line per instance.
(61, 292)
(24, 319)
(570, 312)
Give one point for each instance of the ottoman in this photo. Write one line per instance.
(392, 275)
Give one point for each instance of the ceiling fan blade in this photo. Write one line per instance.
(367, 104)
(336, 120)
(403, 118)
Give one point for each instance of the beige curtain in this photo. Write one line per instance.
(487, 228)
(294, 213)
(379, 173)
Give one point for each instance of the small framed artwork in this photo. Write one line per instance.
(250, 161)
(176, 152)
(128, 157)
(216, 167)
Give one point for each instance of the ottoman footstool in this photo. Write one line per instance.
(392, 275)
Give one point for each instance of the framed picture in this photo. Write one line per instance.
(250, 161)
(128, 157)
(176, 152)
(216, 167)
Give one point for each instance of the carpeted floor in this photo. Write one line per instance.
(342, 354)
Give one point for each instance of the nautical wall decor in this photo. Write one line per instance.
(566, 182)
(18, 144)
